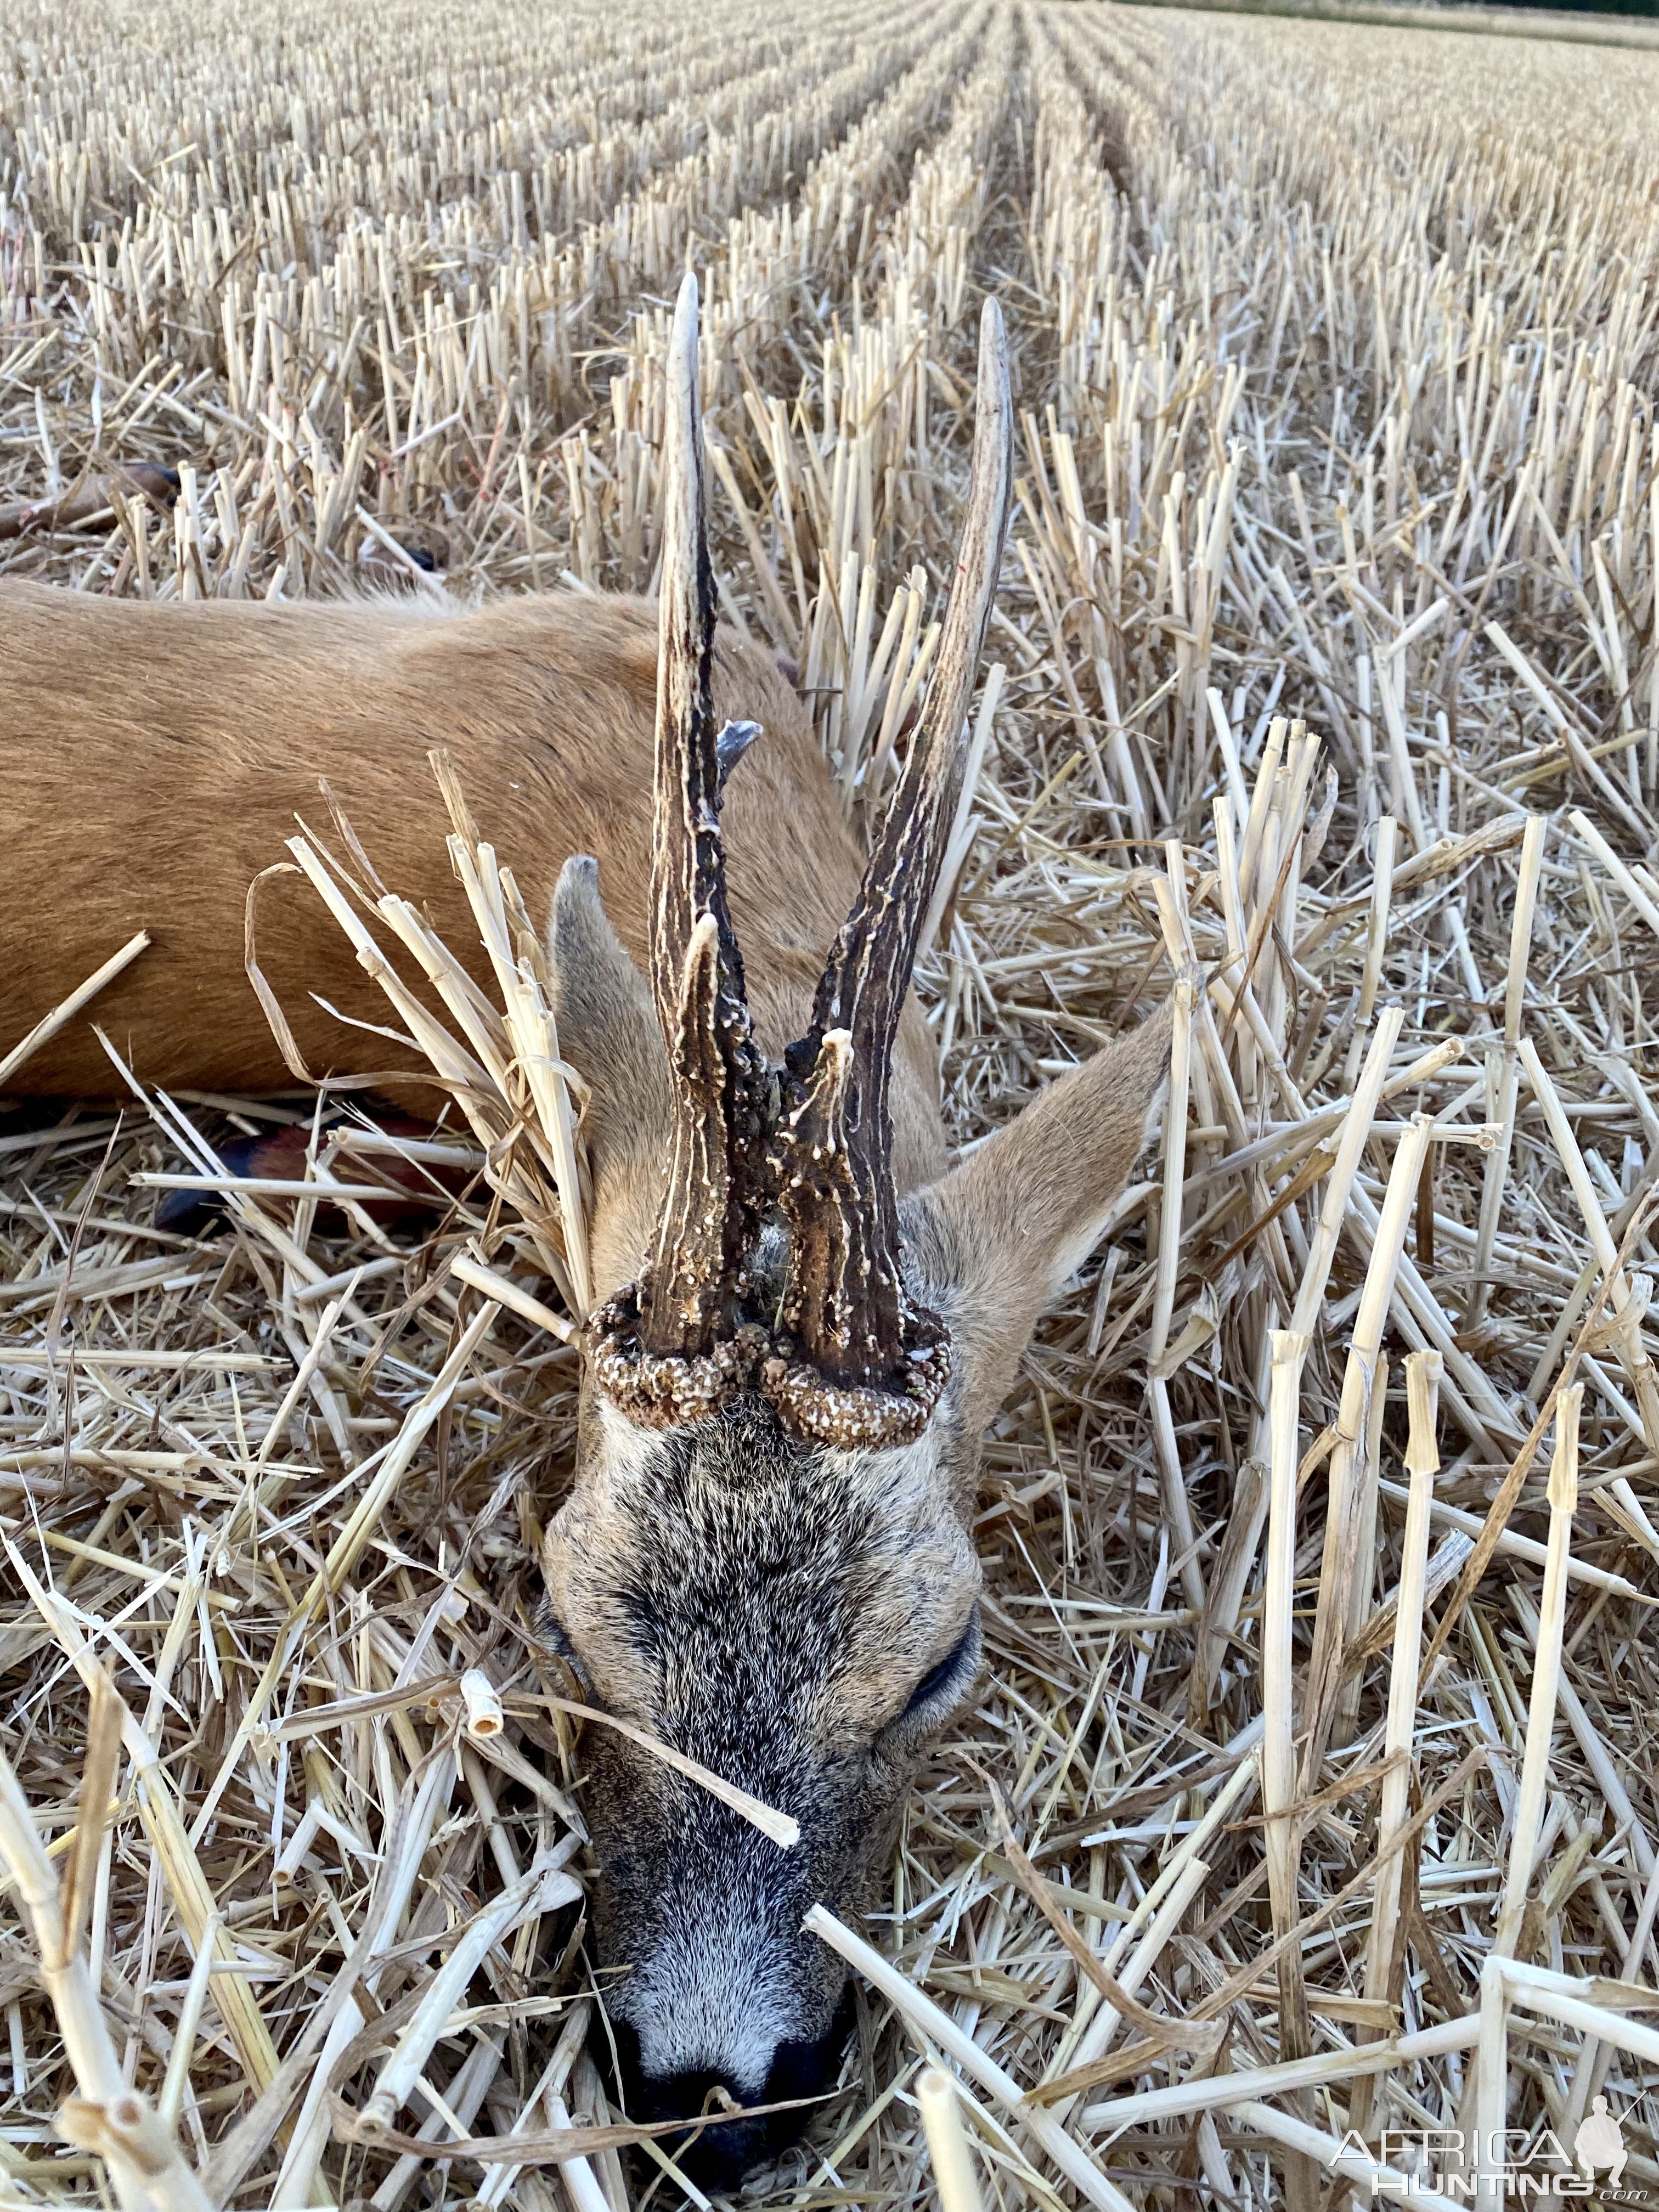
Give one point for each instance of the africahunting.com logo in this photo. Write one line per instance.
(1423, 2163)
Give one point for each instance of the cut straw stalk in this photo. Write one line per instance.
(1218, 2094)
(1356, 1128)
(482, 1702)
(947, 2141)
(1377, 942)
(1638, 892)
(1176, 1512)
(1350, 1512)
(522, 978)
(106, 2117)
(542, 1890)
(318, 1186)
(1497, 1160)
(1292, 1141)
(1595, 2003)
(1385, 1959)
(478, 1072)
(1592, 1745)
(504, 1291)
(1514, 1546)
(965, 827)
(1627, 1306)
(177, 2078)
(1407, 800)
(546, 2095)
(923, 2015)
(1282, 1829)
(1508, 1490)
(1569, 736)
(1486, 2096)
(1546, 1676)
(49, 1024)
(780, 1827)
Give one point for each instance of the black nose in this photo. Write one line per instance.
(718, 2156)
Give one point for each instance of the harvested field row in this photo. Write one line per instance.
(1320, 1530)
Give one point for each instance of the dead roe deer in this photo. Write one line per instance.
(807, 1321)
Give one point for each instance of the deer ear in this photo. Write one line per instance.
(607, 1032)
(993, 1242)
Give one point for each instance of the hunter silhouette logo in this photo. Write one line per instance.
(1599, 2145)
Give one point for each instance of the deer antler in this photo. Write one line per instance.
(857, 1362)
(667, 1348)
(871, 1363)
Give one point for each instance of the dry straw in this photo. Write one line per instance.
(1320, 1527)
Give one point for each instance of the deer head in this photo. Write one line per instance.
(765, 1561)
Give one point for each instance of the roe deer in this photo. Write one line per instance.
(806, 1322)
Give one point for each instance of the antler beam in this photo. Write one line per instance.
(871, 1363)
(692, 1287)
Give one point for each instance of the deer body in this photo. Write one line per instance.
(803, 1323)
(154, 758)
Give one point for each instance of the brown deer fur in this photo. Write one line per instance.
(154, 758)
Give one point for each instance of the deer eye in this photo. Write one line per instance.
(555, 1635)
(552, 1633)
(940, 1684)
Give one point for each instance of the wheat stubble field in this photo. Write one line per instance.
(1321, 1527)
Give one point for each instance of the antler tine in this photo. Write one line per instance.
(695, 1274)
(883, 1361)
